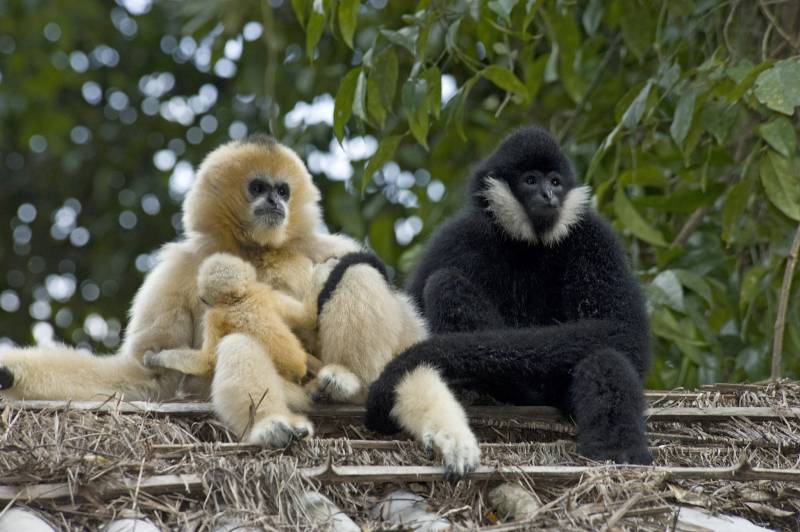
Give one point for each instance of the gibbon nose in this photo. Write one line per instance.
(547, 194)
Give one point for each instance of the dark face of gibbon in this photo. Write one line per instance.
(253, 193)
(528, 188)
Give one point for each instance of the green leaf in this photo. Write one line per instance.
(735, 205)
(779, 87)
(405, 37)
(433, 77)
(385, 151)
(348, 19)
(633, 115)
(534, 75)
(316, 24)
(746, 82)
(382, 85)
(718, 118)
(414, 95)
(360, 97)
(651, 176)
(343, 104)
(682, 120)
(503, 8)
(638, 26)
(634, 222)
(531, 8)
(749, 288)
(695, 283)
(505, 79)
(592, 16)
(780, 135)
(300, 8)
(669, 291)
(781, 183)
(454, 110)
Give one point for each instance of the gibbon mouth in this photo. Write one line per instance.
(270, 216)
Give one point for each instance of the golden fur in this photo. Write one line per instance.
(238, 303)
(167, 312)
(363, 325)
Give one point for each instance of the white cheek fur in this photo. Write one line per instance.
(513, 218)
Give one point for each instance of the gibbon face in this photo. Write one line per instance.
(224, 279)
(255, 191)
(528, 188)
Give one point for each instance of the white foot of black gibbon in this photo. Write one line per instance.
(530, 300)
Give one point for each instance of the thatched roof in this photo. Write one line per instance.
(733, 449)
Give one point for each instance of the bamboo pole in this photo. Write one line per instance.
(475, 413)
(331, 474)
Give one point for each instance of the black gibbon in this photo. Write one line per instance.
(530, 300)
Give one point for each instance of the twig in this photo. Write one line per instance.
(619, 514)
(601, 69)
(773, 21)
(476, 413)
(689, 227)
(328, 473)
(783, 306)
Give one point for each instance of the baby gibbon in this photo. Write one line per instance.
(237, 303)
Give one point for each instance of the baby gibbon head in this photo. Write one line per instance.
(224, 279)
(252, 193)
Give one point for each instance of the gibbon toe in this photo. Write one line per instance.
(150, 359)
(301, 427)
(273, 432)
(6, 378)
(460, 452)
(337, 385)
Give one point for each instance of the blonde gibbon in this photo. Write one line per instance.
(238, 303)
(255, 200)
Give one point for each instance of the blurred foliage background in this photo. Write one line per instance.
(682, 115)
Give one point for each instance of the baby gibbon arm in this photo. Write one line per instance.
(199, 362)
(295, 313)
(287, 353)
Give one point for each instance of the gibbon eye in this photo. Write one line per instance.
(283, 190)
(555, 182)
(531, 179)
(256, 187)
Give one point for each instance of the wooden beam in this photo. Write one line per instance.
(328, 473)
(509, 413)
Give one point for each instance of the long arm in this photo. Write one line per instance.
(161, 317)
(590, 366)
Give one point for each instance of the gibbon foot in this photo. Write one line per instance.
(279, 432)
(6, 378)
(632, 454)
(336, 384)
(460, 451)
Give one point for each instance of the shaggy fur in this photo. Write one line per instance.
(363, 324)
(222, 213)
(238, 304)
(549, 315)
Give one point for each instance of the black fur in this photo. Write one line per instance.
(531, 324)
(351, 259)
(6, 378)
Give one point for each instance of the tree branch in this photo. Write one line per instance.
(783, 306)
